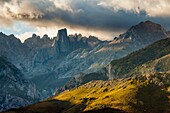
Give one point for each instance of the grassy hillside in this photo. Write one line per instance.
(81, 80)
(136, 95)
(159, 65)
(130, 95)
(124, 65)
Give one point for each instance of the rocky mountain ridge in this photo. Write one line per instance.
(152, 59)
(121, 67)
(39, 56)
(15, 90)
(36, 51)
(139, 83)
(64, 56)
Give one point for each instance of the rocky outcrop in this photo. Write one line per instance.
(62, 42)
(15, 90)
(67, 44)
(143, 34)
(35, 42)
(13, 49)
(168, 33)
(78, 41)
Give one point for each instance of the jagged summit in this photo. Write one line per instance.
(145, 32)
(149, 26)
(65, 43)
(148, 22)
(45, 36)
(62, 42)
(36, 42)
(62, 33)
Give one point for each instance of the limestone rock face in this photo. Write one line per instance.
(143, 34)
(62, 42)
(12, 48)
(78, 41)
(66, 44)
(35, 42)
(168, 33)
(15, 90)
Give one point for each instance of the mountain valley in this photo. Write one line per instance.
(73, 73)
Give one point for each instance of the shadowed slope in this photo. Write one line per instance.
(121, 67)
(136, 95)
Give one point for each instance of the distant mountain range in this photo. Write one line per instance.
(143, 86)
(73, 60)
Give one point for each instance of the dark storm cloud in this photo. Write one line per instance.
(96, 14)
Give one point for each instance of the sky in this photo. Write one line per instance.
(102, 18)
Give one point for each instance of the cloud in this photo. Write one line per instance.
(21, 10)
(107, 17)
(87, 13)
(63, 4)
(117, 5)
(153, 8)
(159, 8)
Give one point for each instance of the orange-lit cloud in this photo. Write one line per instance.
(103, 18)
(153, 8)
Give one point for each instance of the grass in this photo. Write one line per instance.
(128, 96)
(152, 52)
(159, 65)
(120, 95)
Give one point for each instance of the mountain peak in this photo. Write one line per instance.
(36, 42)
(64, 29)
(2, 34)
(62, 42)
(147, 22)
(45, 36)
(62, 34)
(143, 33)
(34, 35)
(149, 25)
